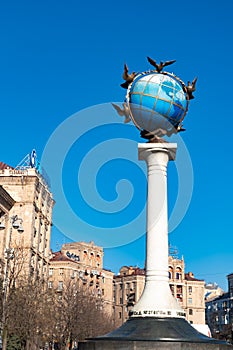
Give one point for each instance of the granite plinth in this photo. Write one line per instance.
(154, 333)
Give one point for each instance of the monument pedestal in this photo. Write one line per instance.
(154, 333)
(157, 320)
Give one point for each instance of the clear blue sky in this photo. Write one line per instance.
(60, 57)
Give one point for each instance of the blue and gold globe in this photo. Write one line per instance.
(157, 101)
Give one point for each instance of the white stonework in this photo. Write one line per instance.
(156, 299)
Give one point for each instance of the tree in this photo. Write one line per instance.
(79, 315)
(15, 258)
(34, 314)
(30, 312)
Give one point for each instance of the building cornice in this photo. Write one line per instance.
(6, 200)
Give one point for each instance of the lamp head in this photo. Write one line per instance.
(15, 224)
(20, 228)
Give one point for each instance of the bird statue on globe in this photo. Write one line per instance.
(156, 101)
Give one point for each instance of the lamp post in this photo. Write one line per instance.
(15, 223)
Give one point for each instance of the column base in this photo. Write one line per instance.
(154, 333)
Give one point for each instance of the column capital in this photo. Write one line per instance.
(169, 148)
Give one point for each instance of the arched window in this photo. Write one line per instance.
(178, 273)
(84, 254)
(170, 272)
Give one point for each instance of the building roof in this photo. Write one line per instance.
(131, 271)
(190, 277)
(5, 166)
(5, 200)
(59, 256)
(220, 297)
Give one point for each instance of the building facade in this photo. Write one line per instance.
(189, 291)
(83, 263)
(219, 313)
(27, 224)
(6, 204)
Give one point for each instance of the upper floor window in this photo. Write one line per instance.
(170, 272)
(178, 273)
(50, 272)
(190, 289)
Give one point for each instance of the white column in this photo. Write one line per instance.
(157, 299)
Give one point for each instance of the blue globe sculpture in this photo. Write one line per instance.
(157, 102)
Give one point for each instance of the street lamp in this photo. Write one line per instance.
(16, 223)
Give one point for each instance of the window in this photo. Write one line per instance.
(172, 288)
(190, 311)
(50, 272)
(60, 285)
(190, 300)
(190, 289)
(61, 272)
(178, 273)
(98, 259)
(121, 300)
(224, 305)
(170, 272)
(119, 314)
(50, 284)
(179, 289)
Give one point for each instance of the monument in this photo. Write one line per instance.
(156, 102)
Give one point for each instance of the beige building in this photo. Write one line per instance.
(212, 291)
(189, 291)
(127, 289)
(6, 203)
(27, 224)
(82, 262)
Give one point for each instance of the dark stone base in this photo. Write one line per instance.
(148, 333)
(154, 345)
